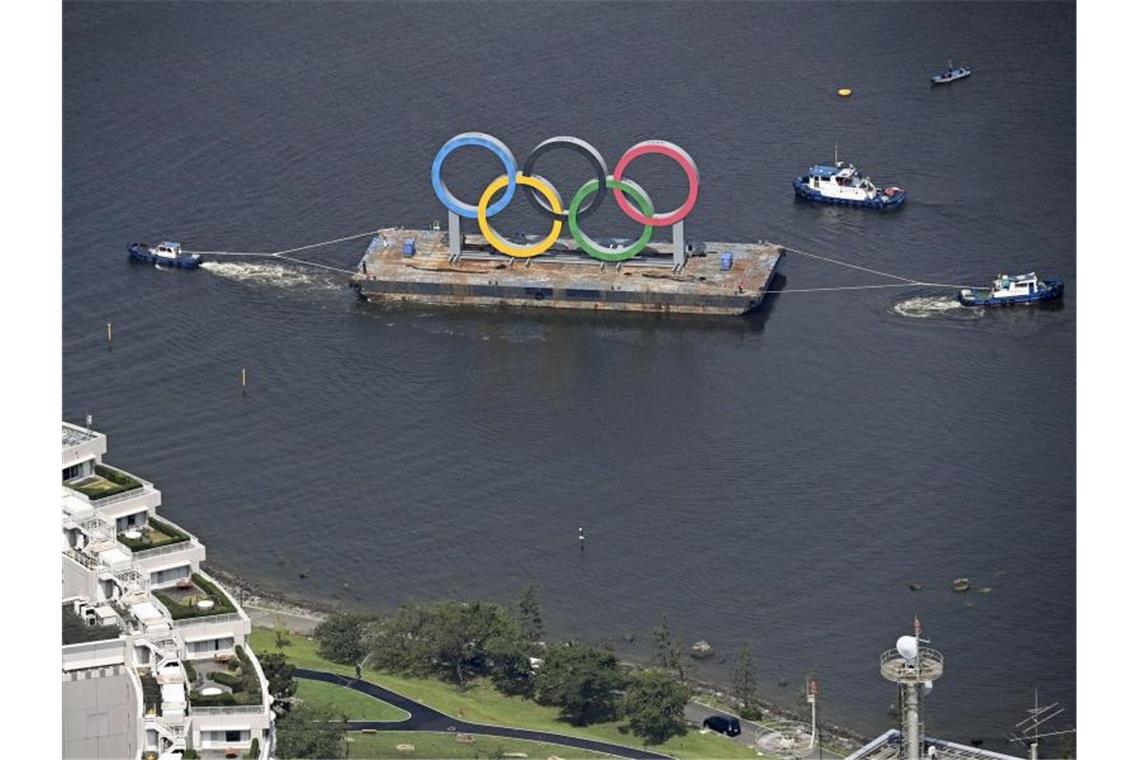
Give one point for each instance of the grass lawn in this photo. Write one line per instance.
(444, 745)
(481, 703)
(104, 482)
(344, 701)
(96, 487)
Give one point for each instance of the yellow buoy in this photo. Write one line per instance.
(843, 93)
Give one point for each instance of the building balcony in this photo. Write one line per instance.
(108, 486)
(196, 598)
(227, 685)
(156, 537)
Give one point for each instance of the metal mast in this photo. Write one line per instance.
(914, 668)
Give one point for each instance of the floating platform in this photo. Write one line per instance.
(564, 277)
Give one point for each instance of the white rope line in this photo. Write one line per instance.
(313, 264)
(888, 275)
(288, 250)
(903, 281)
(857, 287)
(327, 242)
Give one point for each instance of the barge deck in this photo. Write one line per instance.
(428, 272)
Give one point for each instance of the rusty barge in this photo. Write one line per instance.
(424, 267)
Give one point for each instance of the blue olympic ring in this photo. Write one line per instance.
(480, 140)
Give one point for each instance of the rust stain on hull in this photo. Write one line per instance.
(565, 278)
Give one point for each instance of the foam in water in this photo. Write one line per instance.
(925, 307)
(274, 275)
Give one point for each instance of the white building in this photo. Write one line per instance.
(156, 659)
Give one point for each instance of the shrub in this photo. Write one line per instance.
(191, 673)
(254, 749)
(116, 477)
(198, 699)
(227, 679)
(190, 754)
(179, 611)
(752, 713)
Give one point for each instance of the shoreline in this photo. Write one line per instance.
(308, 612)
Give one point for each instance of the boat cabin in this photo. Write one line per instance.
(1006, 286)
(822, 177)
(168, 249)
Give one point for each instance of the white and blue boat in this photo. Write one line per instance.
(951, 74)
(166, 254)
(843, 185)
(1014, 290)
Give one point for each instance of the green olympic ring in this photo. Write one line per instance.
(588, 245)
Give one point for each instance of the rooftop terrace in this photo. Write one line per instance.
(74, 436)
(195, 598)
(104, 483)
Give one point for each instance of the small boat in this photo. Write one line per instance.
(1010, 291)
(166, 253)
(961, 585)
(951, 74)
(842, 184)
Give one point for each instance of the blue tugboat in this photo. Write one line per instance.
(166, 253)
(843, 185)
(1011, 291)
(951, 74)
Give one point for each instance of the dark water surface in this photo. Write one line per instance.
(774, 482)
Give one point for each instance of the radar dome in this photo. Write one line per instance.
(908, 647)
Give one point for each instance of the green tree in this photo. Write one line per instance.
(508, 658)
(667, 651)
(529, 614)
(340, 637)
(655, 706)
(279, 675)
(456, 641)
(280, 633)
(582, 681)
(744, 682)
(310, 731)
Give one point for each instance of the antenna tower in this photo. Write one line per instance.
(914, 668)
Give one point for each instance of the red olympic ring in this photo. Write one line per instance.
(669, 150)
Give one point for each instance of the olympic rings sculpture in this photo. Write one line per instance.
(548, 202)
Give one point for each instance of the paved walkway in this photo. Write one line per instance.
(424, 718)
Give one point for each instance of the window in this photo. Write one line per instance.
(233, 736)
(209, 646)
(170, 575)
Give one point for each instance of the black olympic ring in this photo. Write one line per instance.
(582, 148)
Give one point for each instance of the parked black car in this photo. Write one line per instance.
(723, 725)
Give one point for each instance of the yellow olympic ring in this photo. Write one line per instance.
(520, 251)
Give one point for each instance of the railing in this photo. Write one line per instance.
(202, 619)
(228, 710)
(144, 486)
(164, 549)
(84, 559)
(927, 666)
(115, 498)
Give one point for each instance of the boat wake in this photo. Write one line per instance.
(928, 307)
(275, 275)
